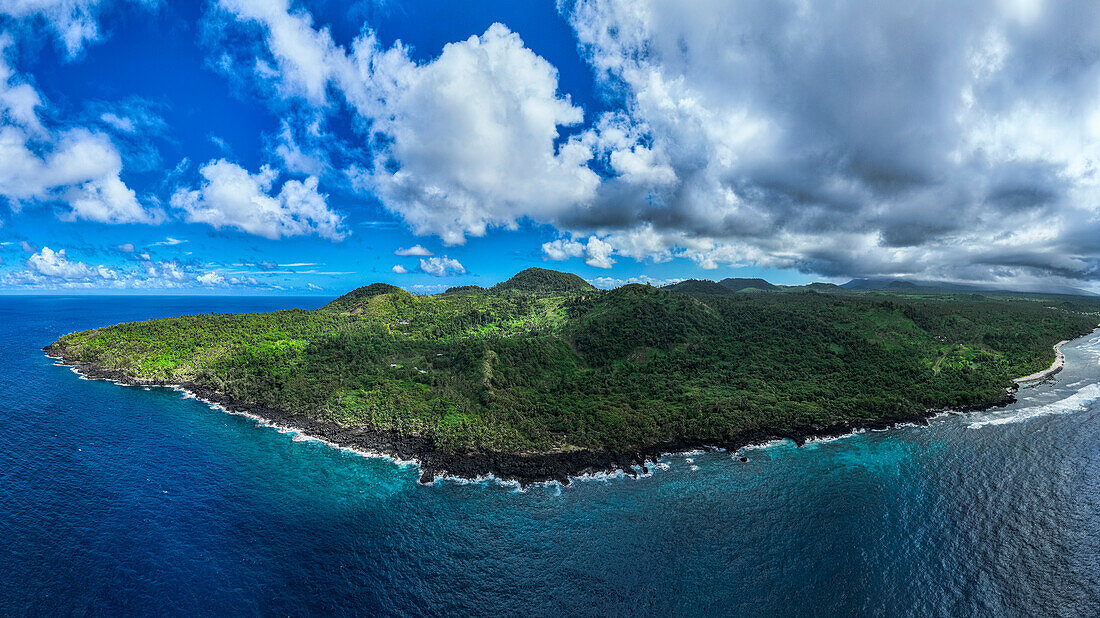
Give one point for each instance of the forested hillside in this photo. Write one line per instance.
(546, 364)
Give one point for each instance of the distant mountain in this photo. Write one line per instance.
(544, 281)
(889, 284)
(905, 285)
(698, 286)
(738, 283)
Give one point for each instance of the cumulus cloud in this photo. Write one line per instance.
(641, 244)
(463, 130)
(75, 167)
(48, 269)
(55, 264)
(169, 273)
(441, 266)
(927, 140)
(211, 279)
(231, 196)
(413, 250)
(562, 249)
(465, 142)
(127, 247)
(54, 269)
(399, 269)
(597, 253)
(214, 279)
(607, 283)
(950, 140)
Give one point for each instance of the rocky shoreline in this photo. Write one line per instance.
(522, 468)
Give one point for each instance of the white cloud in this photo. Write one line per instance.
(941, 131)
(923, 141)
(562, 249)
(607, 283)
(74, 21)
(126, 247)
(27, 247)
(399, 269)
(211, 279)
(169, 242)
(135, 118)
(459, 131)
(441, 266)
(76, 167)
(306, 59)
(216, 279)
(56, 264)
(233, 197)
(169, 273)
(641, 243)
(413, 250)
(301, 158)
(120, 123)
(597, 253)
(463, 128)
(51, 268)
(82, 170)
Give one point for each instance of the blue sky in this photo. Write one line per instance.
(248, 147)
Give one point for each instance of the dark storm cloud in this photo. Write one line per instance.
(952, 138)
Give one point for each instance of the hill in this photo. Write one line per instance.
(697, 286)
(737, 284)
(544, 281)
(466, 289)
(825, 288)
(375, 293)
(539, 386)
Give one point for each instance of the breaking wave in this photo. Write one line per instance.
(1074, 403)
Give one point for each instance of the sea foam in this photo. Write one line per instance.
(1074, 403)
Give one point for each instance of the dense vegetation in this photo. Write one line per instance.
(545, 281)
(737, 284)
(698, 286)
(543, 363)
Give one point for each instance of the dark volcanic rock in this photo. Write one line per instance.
(524, 468)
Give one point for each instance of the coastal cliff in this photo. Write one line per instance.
(546, 378)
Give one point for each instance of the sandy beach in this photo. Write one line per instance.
(1054, 368)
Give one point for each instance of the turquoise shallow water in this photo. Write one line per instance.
(124, 500)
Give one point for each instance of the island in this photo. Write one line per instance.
(542, 377)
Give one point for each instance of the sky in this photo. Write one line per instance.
(309, 147)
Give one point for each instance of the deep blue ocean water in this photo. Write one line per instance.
(129, 501)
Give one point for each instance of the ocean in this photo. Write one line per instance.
(121, 500)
